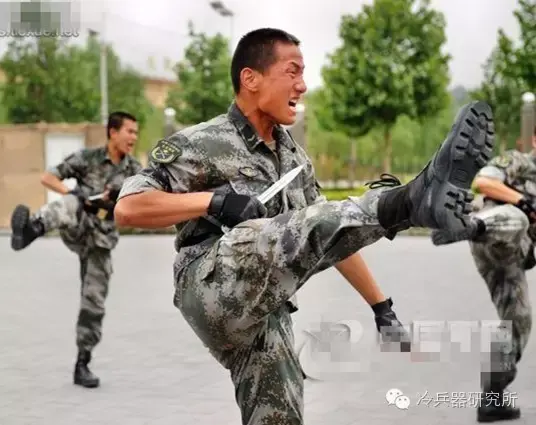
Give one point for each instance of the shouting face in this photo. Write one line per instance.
(281, 86)
(124, 139)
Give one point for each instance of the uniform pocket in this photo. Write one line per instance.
(249, 186)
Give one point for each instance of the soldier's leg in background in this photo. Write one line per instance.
(63, 213)
(95, 270)
(500, 256)
(267, 375)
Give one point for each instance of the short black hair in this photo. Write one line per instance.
(116, 119)
(255, 50)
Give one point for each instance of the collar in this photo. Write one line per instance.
(250, 135)
(106, 157)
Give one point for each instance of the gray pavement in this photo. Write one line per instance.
(154, 370)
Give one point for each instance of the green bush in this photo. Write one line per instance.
(342, 194)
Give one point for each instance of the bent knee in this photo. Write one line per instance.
(505, 222)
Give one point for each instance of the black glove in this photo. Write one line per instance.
(528, 208)
(232, 208)
(113, 194)
(389, 327)
(82, 197)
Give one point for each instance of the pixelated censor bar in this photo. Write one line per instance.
(39, 18)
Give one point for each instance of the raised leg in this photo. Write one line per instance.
(63, 213)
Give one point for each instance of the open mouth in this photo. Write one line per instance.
(292, 104)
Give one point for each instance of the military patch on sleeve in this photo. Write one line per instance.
(165, 152)
(502, 161)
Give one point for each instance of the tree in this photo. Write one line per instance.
(509, 71)
(204, 87)
(526, 54)
(502, 88)
(390, 65)
(52, 81)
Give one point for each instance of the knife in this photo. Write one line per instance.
(268, 194)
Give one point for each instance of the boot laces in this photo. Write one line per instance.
(385, 180)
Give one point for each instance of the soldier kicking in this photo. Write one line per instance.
(501, 237)
(86, 227)
(236, 289)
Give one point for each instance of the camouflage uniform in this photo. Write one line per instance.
(501, 256)
(237, 290)
(91, 235)
(260, 264)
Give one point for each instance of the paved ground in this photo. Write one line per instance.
(155, 372)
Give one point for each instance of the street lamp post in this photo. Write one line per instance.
(169, 123)
(103, 69)
(528, 117)
(224, 11)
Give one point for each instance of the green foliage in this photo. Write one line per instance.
(390, 65)
(342, 194)
(526, 53)
(502, 88)
(413, 143)
(3, 110)
(510, 71)
(204, 87)
(52, 81)
(151, 131)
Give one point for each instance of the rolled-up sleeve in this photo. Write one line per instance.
(174, 166)
(73, 166)
(504, 167)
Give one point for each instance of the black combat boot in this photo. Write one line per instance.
(439, 197)
(495, 406)
(24, 229)
(82, 375)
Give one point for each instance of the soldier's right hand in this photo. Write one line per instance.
(528, 208)
(232, 208)
(82, 198)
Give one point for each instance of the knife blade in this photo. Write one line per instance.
(280, 184)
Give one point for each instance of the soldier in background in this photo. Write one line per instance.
(86, 227)
(501, 237)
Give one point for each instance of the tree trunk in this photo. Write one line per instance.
(388, 151)
(353, 160)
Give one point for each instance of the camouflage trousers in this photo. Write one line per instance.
(500, 258)
(235, 297)
(75, 227)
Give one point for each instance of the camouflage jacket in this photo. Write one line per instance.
(516, 170)
(93, 170)
(227, 154)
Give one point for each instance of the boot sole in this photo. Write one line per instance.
(469, 147)
(19, 220)
(86, 385)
